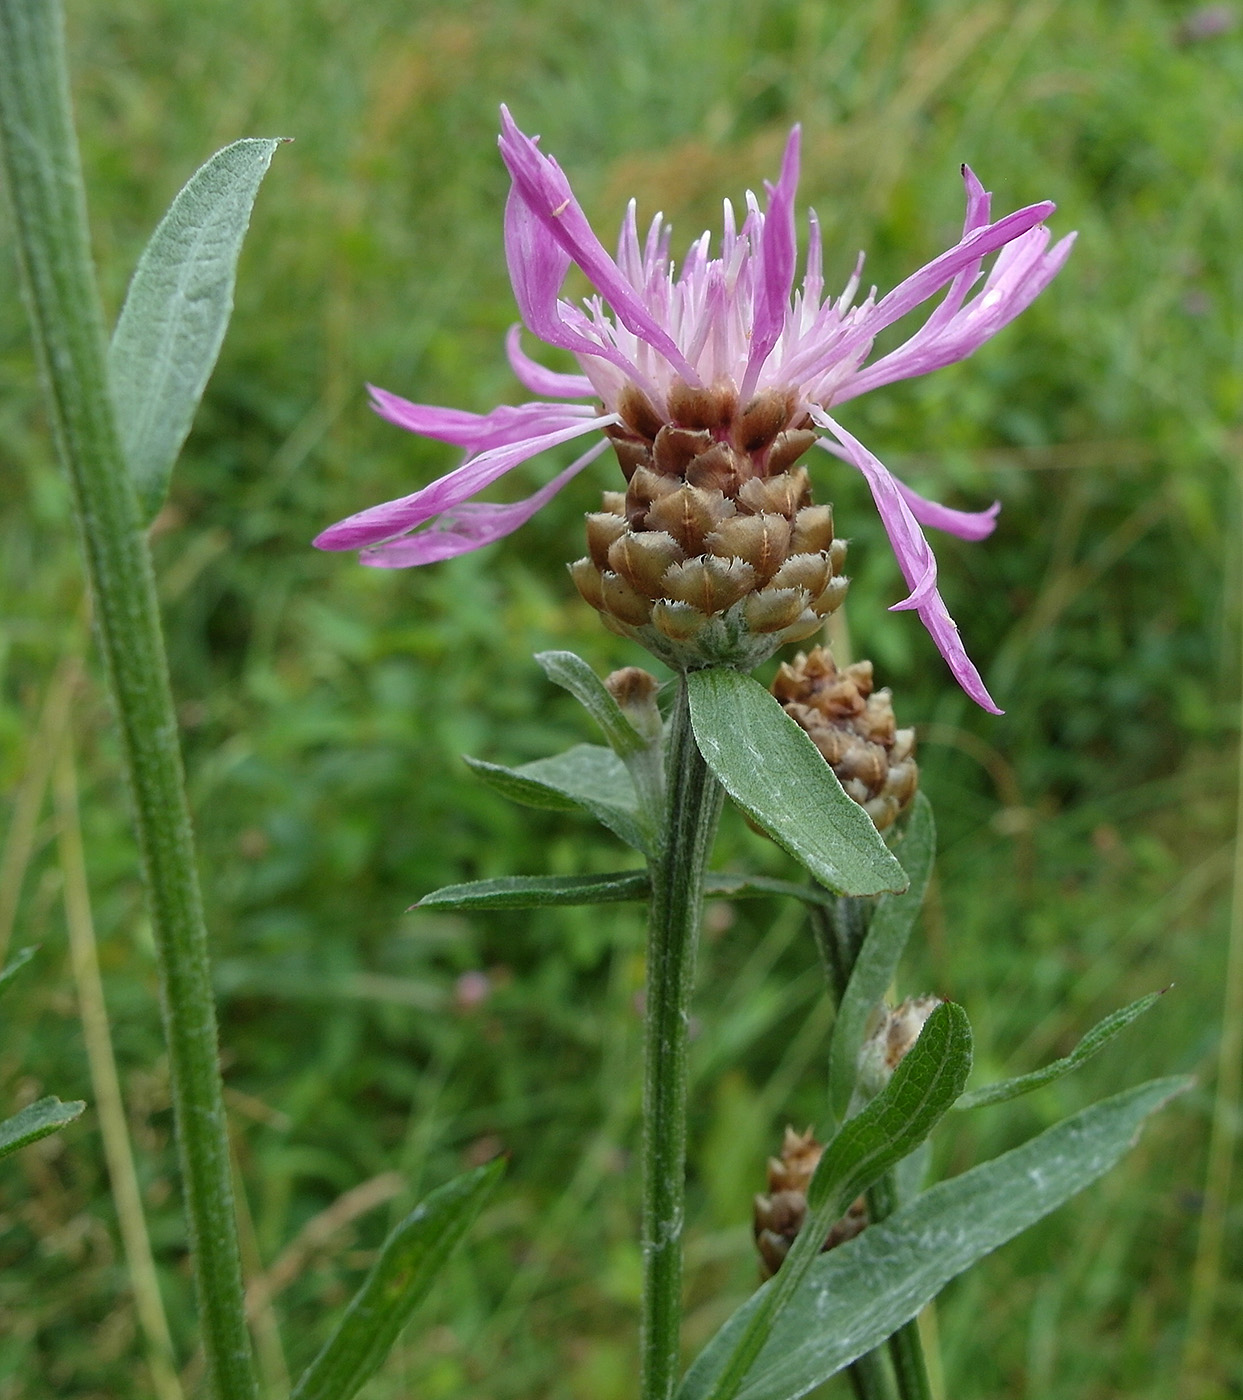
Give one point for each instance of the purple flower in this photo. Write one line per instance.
(733, 319)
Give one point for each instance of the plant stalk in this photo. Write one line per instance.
(692, 808)
(45, 187)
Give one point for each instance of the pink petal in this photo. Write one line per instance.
(966, 524)
(543, 188)
(913, 556)
(777, 251)
(476, 431)
(539, 380)
(470, 526)
(393, 518)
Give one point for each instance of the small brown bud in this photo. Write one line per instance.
(680, 622)
(619, 597)
(853, 728)
(635, 691)
(783, 494)
(586, 576)
(702, 408)
(807, 571)
(602, 529)
(813, 530)
(716, 469)
(690, 515)
(636, 412)
(762, 419)
(774, 608)
(788, 447)
(709, 583)
(643, 557)
(779, 1215)
(675, 447)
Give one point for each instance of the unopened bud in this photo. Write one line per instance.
(896, 1031)
(635, 692)
(779, 1215)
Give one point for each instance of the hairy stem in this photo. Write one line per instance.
(693, 805)
(45, 186)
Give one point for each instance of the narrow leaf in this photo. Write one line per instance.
(587, 778)
(175, 314)
(890, 928)
(13, 968)
(572, 673)
(615, 887)
(411, 1258)
(1096, 1039)
(777, 776)
(538, 891)
(36, 1121)
(863, 1291)
(923, 1087)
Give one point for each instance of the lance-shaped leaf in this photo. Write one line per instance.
(862, 1292)
(587, 778)
(1096, 1039)
(539, 891)
(36, 1121)
(890, 928)
(898, 1119)
(778, 777)
(572, 673)
(175, 314)
(411, 1258)
(14, 967)
(615, 887)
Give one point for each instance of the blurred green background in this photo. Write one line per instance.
(1086, 837)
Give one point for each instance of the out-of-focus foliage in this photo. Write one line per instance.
(1085, 837)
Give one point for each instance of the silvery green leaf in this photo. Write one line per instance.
(777, 776)
(572, 673)
(409, 1261)
(860, 1293)
(36, 1121)
(587, 778)
(890, 928)
(178, 306)
(1096, 1039)
(537, 891)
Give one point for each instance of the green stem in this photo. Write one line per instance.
(49, 207)
(692, 806)
(839, 932)
(906, 1349)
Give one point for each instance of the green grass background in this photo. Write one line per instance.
(1086, 837)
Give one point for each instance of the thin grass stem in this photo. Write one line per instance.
(105, 1082)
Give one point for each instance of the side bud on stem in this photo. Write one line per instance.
(853, 726)
(780, 1214)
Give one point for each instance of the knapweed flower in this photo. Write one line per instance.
(710, 380)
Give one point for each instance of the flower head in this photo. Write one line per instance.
(724, 347)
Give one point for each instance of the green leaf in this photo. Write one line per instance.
(615, 887)
(411, 1258)
(13, 968)
(924, 1085)
(863, 1291)
(777, 776)
(890, 928)
(537, 891)
(1096, 1039)
(36, 1121)
(175, 314)
(587, 778)
(572, 673)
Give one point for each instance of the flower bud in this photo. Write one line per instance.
(852, 725)
(779, 1215)
(895, 1030)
